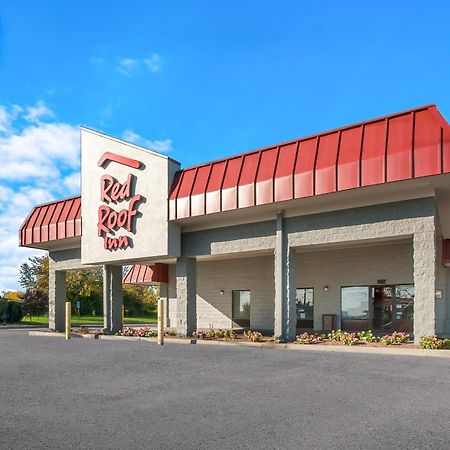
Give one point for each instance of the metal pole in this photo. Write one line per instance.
(160, 321)
(123, 314)
(68, 319)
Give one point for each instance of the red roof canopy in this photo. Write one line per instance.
(52, 221)
(407, 145)
(141, 274)
(401, 146)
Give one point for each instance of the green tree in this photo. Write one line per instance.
(34, 273)
(35, 302)
(86, 287)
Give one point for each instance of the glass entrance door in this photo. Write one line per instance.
(382, 309)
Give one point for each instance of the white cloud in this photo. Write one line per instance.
(131, 66)
(73, 182)
(127, 66)
(40, 162)
(153, 62)
(39, 111)
(163, 146)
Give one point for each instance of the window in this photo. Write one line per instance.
(355, 303)
(404, 308)
(305, 307)
(241, 308)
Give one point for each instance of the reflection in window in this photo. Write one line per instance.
(241, 307)
(305, 307)
(355, 303)
(404, 296)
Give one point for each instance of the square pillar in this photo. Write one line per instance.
(424, 284)
(186, 273)
(285, 314)
(56, 299)
(112, 299)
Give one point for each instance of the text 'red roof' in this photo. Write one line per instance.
(401, 146)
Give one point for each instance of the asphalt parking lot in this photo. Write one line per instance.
(93, 394)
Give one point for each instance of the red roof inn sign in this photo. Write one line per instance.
(124, 209)
(112, 191)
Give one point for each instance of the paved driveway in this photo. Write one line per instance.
(88, 394)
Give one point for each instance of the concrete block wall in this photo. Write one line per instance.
(254, 274)
(358, 266)
(213, 308)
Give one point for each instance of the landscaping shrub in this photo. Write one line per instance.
(430, 342)
(307, 338)
(138, 332)
(367, 336)
(349, 338)
(335, 335)
(10, 311)
(230, 334)
(434, 343)
(396, 338)
(253, 336)
(83, 330)
(199, 334)
(214, 334)
(172, 333)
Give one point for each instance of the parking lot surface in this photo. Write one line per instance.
(98, 394)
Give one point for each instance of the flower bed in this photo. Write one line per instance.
(339, 337)
(434, 343)
(336, 337)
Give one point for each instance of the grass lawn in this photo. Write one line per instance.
(88, 320)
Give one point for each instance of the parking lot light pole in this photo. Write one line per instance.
(68, 319)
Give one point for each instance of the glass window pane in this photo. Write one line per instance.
(305, 304)
(404, 295)
(241, 305)
(355, 303)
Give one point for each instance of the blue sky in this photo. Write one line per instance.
(199, 80)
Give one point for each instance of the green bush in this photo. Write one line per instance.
(310, 338)
(367, 336)
(396, 338)
(10, 311)
(335, 335)
(349, 338)
(253, 336)
(434, 343)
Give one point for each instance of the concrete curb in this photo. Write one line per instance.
(395, 351)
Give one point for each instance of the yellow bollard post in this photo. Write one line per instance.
(160, 321)
(68, 319)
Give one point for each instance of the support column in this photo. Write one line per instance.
(186, 296)
(112, 299)
(424, 284)
(56, 299)
(285, 313)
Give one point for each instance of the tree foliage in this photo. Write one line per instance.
(34, 273)
(85, 286)
(35, 302)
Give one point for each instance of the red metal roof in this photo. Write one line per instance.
(400, 146)
(52, 221)
(141, 274)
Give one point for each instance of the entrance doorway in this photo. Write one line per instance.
(383, 309)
